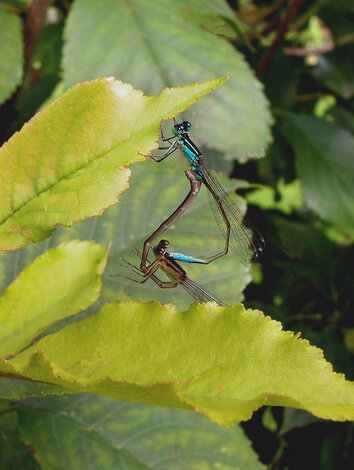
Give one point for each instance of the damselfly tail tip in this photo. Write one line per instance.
(258, 248)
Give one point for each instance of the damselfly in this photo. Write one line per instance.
(167, 262)
(195, 184)
(240, 235)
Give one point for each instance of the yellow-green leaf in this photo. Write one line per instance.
(71, 160)
(222, 362)
(58, 284)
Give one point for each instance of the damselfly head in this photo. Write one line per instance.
(182, 127)
(160, 249)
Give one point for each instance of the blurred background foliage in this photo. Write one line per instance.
(298, 180)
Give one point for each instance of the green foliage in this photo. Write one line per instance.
(45, 73)
(335, 71)
(290, 197)
(13, 451)
(58, 284)
(10, 54)
(153, 38)
(128, 435)
(129, 223)
(78, 163)
(71, 160)
(257, 364)
(323, 149)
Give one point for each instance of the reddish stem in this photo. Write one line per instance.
(283, 28)
(33, 27)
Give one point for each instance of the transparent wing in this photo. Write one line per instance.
(199, 293)
(245, 240)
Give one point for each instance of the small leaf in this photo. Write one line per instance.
(123, 435)
(224, 363)
(58, 284)
(325, 167)
(71, 160)
(290, 197)
(153, 45)
(10, 53)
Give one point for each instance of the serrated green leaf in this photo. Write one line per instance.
(71, 160)
(155, 44)
(224, 363)
(10, 53)
(58, 284)
(325, 167)
(123, 435)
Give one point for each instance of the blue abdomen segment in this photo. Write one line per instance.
(197, 173)
(183, 258)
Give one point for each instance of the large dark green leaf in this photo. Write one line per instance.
(324, 161)
(84, 432)
(153, 45)
(13, 453)
(342, 117)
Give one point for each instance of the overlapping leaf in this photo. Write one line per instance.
(71, 160)
(123, 435)
(325, 167)
(58, 284)
(224, 363)
(155, 44)
(13, 452)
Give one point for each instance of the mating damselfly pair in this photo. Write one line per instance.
(240, 235)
